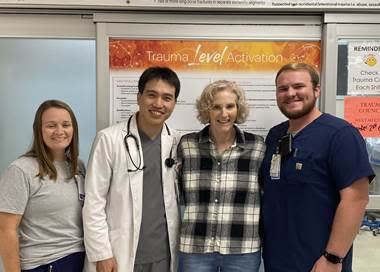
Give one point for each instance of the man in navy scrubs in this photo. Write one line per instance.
(315, 176)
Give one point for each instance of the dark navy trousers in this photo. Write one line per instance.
(71, 263)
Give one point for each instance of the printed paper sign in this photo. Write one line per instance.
(363, 68)
(364, 114)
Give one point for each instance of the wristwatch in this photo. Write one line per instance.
(333, 258)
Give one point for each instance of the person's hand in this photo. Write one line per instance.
(107, 265)
(323, 265)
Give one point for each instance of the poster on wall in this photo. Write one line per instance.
(251, 64)
(364, 114)
(363, 68)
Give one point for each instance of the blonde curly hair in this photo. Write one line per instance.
(206, 101)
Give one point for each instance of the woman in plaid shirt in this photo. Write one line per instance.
(218, 181)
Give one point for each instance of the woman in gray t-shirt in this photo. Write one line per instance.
(41, 197)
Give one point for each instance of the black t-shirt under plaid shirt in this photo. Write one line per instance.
(221, 193)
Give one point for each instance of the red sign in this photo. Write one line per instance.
(363, 113)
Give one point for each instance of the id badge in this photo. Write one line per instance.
(275, 166)
(80, 184)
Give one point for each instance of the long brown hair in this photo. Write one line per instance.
(40, 151)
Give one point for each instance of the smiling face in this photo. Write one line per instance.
(296, 97)
(223, 112)
(156, 103)
(57, 131)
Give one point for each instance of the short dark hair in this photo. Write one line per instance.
(299, 67)
(164, 73)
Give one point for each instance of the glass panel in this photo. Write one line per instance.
(358, 87)
(34, 70)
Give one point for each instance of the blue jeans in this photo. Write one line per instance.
(215, 262)
(71, 263)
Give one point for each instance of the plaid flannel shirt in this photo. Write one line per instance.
(220, 193)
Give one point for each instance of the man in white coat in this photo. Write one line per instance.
(131, 211)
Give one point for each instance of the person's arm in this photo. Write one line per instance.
(346, 224)
(97, 185)
(9, 244)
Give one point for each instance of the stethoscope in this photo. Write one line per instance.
(169, 162)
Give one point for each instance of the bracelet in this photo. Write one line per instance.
(333, 258)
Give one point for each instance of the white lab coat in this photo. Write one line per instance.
(113, 202)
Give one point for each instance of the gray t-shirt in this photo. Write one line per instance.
(51, 225)
(153, 243)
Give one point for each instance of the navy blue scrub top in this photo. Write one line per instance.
(298, 208)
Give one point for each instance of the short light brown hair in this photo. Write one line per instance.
(206, 101)
(298, 67)
(39, 149)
